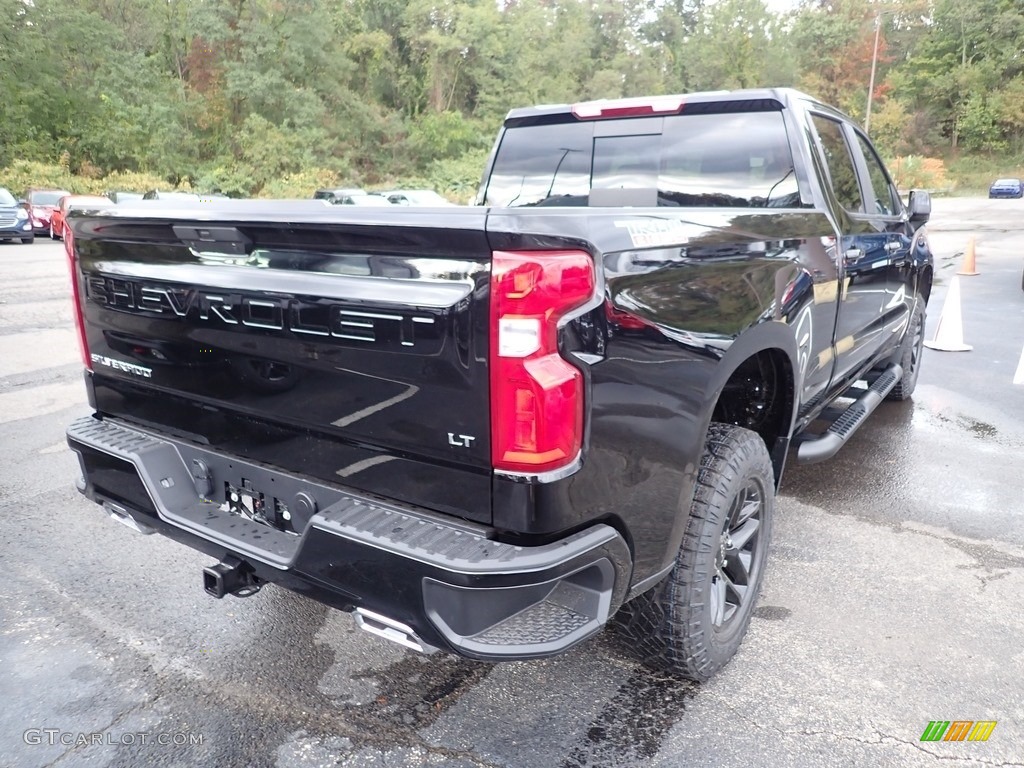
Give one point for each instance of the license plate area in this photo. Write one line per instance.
(255, 492)
(247, 501)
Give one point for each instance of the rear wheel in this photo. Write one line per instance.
(910, 355)
(694, 621)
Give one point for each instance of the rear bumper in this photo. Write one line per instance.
(40, 219)
(449, 583)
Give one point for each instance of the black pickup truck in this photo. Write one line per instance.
(492, 429)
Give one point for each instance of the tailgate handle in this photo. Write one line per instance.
(213, 239)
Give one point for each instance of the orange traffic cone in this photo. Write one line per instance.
(968, 268)
(949, 333)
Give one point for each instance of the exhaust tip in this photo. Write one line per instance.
(124, 517)
(392, 630)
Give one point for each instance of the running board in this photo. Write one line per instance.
(827, 445)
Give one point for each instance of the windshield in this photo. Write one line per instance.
(51, 197)
(6, 198)
(738, 159)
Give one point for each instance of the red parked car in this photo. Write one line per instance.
(57, 222)
(41, 203)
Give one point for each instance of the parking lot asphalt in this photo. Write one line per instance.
(893, 597)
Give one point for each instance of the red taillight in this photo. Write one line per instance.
(76, 297)
(656, 105)
(536, 395)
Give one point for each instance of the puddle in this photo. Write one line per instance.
(977, 428)
(633, 724)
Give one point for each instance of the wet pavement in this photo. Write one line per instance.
(893, 597)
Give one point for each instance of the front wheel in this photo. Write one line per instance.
(27, 240)
(694, 621)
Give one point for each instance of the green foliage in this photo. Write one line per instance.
(978, 127)
(302, 183)
(972, 174)
(919, 173)
(24, 174)
(734, 46)
(891, 128)
(131, 181)
(458, 179)
(259, 97)
(442, 135)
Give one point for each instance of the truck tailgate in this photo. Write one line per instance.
(354, 352)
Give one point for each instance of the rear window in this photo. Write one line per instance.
(706, 160)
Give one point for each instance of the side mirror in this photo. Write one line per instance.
(920, 205)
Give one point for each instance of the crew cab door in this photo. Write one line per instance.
(886, 211)
(862, 250)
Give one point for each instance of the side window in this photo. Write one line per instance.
(840, 163)
(886, 202)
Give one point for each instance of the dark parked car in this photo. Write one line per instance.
(415, 197)
(41, 203)
(351, 196)
(156, 194)
(14, 219)
(332, 196)
(1006, 188)
(124, 197)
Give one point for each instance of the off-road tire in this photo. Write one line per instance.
(909, 356)
(672, 626)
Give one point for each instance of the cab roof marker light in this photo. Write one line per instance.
(607, 108)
